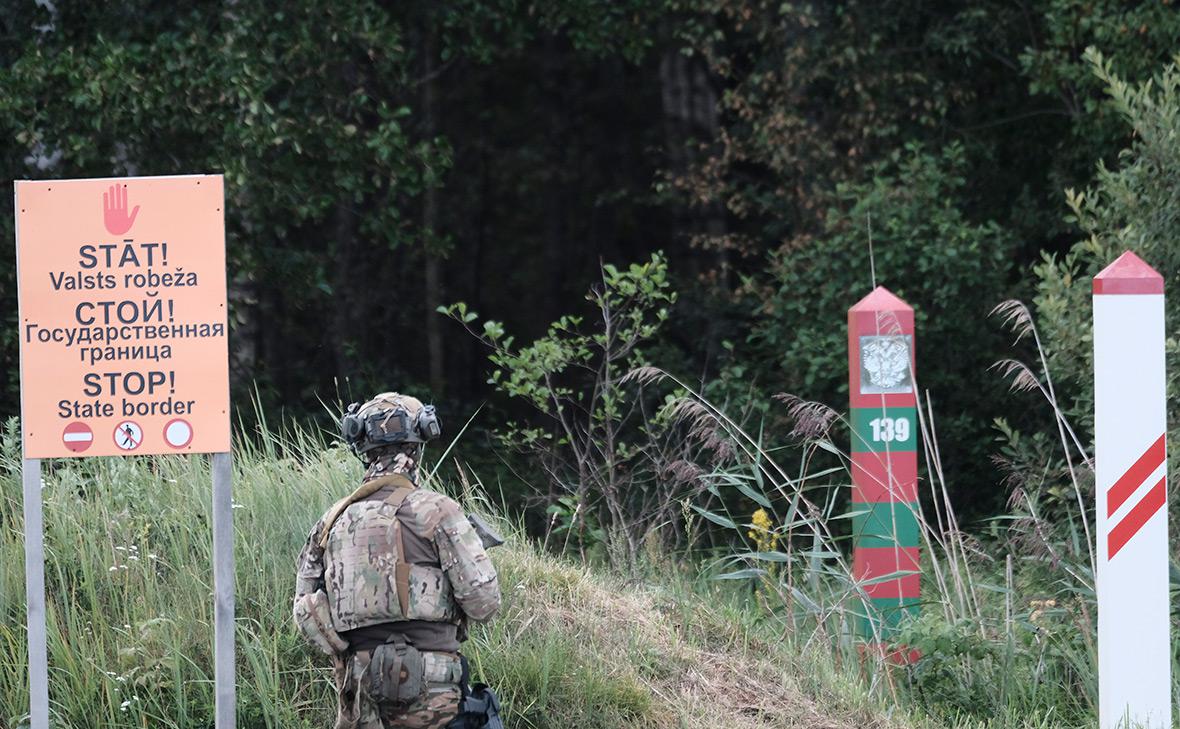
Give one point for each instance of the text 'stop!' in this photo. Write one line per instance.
(123, 336)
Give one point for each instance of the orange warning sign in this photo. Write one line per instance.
(123, 336)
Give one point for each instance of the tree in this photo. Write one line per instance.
(1131, 206)
(615, 463)
(929, 252)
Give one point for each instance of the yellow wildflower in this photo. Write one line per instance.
(765, 539)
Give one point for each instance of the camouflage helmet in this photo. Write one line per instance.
(389, 419)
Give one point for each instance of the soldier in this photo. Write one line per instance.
(388, 579)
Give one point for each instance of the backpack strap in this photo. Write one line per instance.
(368, 488)
(401, 571)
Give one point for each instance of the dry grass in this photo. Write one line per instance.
(700, 665)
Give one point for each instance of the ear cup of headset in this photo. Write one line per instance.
(351, 428)
(427, 424)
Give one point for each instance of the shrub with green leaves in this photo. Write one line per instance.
(616, 464)
(1134, 205)
(926, 249)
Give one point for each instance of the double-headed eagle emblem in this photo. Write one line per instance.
(885, 362)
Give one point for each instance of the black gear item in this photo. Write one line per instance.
(484, 704)
(479, 708)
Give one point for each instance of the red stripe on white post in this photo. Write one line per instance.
(1130, 417)
(1139, 515)
(1152, 458)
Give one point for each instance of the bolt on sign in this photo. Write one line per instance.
(1131, 494)
(122, 316)
(885, 524)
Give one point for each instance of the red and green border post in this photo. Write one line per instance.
(883, 414)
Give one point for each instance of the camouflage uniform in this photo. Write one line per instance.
(387, 592)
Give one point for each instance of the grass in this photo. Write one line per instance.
(1007, 632)
(130, 611)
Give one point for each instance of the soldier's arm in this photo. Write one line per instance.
(309, 575)
(310, 606)
(467, 566)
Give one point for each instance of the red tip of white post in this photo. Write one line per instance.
(1129, 274)
(881, 299)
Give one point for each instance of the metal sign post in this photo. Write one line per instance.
(884, 464)
(123, 344)
(35, 595)
(1131, 493)
(223, 589)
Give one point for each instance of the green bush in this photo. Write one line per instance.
(1132, 206)
(927, 250)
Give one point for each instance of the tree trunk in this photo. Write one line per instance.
(433, 274)
(560, 250)
(691, 119)
(343, 300)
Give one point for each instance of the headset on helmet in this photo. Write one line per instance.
(392, 425)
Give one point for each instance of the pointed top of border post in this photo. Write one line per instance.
(1129, 274)
(881, 299)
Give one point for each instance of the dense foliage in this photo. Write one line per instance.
(384, 159)
(726, 177)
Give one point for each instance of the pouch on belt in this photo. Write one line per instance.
(399, 672)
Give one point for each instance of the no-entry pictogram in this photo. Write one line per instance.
(128, 435)
(77, 436)
(122, 312)
(178, 433)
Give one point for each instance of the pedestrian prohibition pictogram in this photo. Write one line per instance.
(77, 436)
(128, 435)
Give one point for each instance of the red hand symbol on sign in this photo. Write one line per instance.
(114, 210)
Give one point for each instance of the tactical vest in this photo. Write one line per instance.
(367, 576)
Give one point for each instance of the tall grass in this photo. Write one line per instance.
(1007, 631)
(129, 585)
(130, 611)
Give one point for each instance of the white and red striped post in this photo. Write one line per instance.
(1131, 493)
